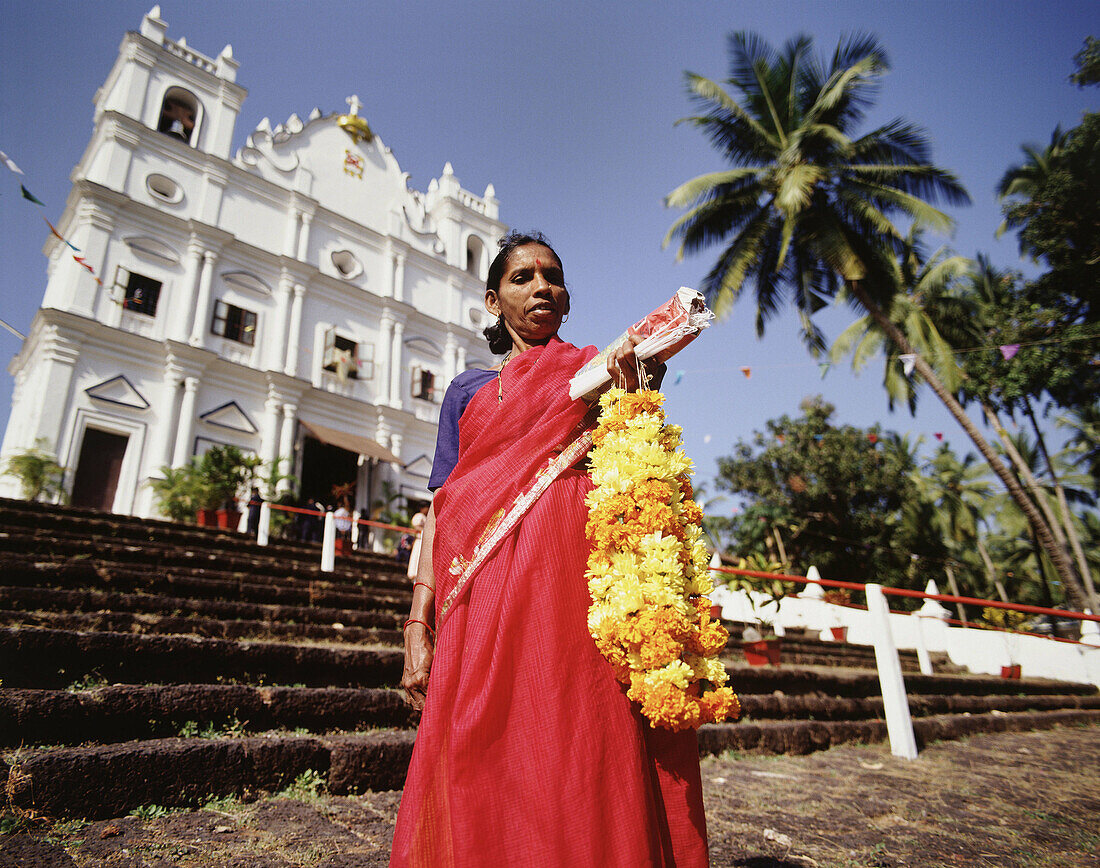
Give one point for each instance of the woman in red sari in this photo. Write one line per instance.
(528, 751)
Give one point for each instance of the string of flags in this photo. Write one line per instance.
(30, 197)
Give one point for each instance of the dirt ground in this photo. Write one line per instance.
(1008, 799)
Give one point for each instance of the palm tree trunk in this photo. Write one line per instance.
(955, 590)
(1074, 593)
(1084, 580)
(1063, 507)
(991, 573)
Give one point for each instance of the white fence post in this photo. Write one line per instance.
(923, 657)
(264, 530)
(899, 725)
(328, 544)
(355, 516)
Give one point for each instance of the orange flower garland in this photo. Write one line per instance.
(647, 573)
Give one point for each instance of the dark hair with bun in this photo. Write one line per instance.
(500, 341)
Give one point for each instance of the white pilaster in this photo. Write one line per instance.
(276, 346)
(303, 237)
(385, 344)
(269, 436)
(399, 276)
(162, 452)
(396, 349)
(290, 233)
(185, 431)
(294, 338)
(286, 445)
(202, 303)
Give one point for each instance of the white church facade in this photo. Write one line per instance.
(297, 299)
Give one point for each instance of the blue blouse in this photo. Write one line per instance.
(459, 393)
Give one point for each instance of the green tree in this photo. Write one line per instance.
(1088, 64)
(824, 495)
(808, 205)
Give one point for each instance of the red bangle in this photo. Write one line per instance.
(425, 584)
(418, 621)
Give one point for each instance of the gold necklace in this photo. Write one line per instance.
(500, 382)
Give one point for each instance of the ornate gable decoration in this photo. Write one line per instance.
(230, 416)
(352, 124)
(420, 466)
(353, 165)
(118, 390)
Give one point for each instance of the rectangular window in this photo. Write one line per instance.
(140, 294)
(423, 384)
(234, 323)
(341, 356)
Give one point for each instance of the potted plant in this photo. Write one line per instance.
(1009, 621)
(39, 475)
(838, 597)
(178, 492)
(761, 646)
(223, 470)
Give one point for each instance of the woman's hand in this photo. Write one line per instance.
(419, 650)
(622, 365)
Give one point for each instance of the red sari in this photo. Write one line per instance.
(528, 751)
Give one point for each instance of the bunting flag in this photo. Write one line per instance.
(61, 237)
(84, 264)
(706, 438)
(938, 435)
(873, 437)
(819, 437)
(908, 362)
(1009, 350)
(823, 367)
(10, 163)
(747, 371)
(781, 438)
(679, 377)
(30, 197)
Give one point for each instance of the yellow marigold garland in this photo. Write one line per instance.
(648, 571)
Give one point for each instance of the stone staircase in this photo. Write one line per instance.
(144, 662)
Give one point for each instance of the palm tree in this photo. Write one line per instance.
(807, 205)
(1019, 183)
(934, 317)
(1084, 441)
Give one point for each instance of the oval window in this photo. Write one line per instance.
(164, 188)
(346, 263)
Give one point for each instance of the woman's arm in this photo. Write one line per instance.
(419, 642)
(622, 365)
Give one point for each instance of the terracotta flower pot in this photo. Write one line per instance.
(228, 519)
(840, 634)
(343, 546)
(762, 653)
(206, 517)
(1012, 671)
(715, 612)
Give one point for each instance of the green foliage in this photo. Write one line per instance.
(150, 812)
(90, 681)
(835, 495)
(178, 492)
(808, 200)
(40, 476)
(1088, 64)
(224, 471)
(1058, 217)
(307, 787)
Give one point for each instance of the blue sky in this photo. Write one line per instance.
(569, 109)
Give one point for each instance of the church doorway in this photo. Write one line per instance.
(98, 469)
(325, 466)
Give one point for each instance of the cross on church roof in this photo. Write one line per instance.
(354, 104)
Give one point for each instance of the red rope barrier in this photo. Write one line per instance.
(386, 526)
(295, 509)
(920, 595)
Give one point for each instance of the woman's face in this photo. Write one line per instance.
(532, 296)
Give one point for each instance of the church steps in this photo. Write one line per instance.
(18, 549)
(111, 780)
(191, 625)
(199, 583)
(802, 737)
(36, 657)
(104, 781)
(64, 600)
(55, 520)
(127, 712)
